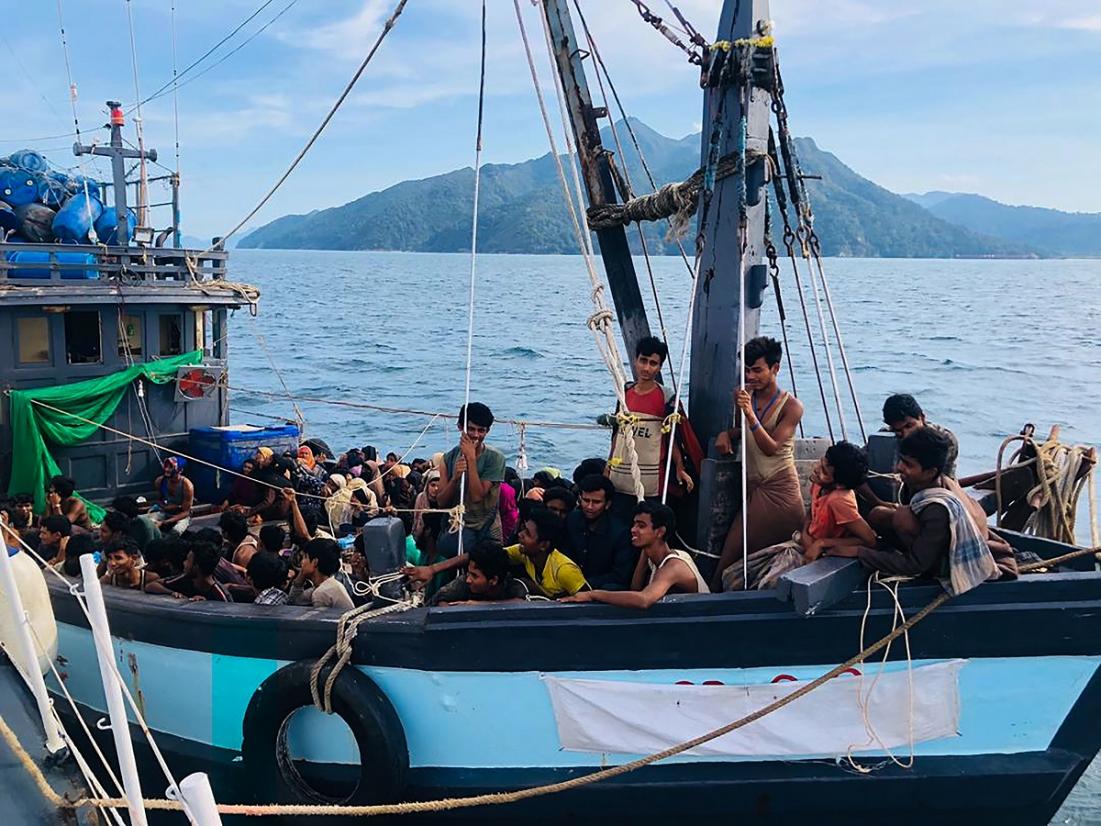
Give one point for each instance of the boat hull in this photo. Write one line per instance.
(470, 690)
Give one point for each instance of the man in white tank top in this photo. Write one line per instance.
(660, 570)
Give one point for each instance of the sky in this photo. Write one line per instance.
(999, 97)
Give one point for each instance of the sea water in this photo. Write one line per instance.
(985, 346)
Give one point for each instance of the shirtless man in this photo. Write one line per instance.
(61, 500)
(660, 569)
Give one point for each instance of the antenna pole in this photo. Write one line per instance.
(118, 155)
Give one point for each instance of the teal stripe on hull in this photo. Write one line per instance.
(492, 720)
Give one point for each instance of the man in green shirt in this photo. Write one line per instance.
(472, 473)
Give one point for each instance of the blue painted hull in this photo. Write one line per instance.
(1028, 693)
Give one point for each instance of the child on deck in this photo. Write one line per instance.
(834, 521)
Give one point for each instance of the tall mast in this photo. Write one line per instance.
(596, 174)
(715, 336)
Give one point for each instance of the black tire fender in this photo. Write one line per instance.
(364, 708)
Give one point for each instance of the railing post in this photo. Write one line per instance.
(116, 709)
(197, 795)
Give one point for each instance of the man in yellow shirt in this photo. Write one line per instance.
(550, 572)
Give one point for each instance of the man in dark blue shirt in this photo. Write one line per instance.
(596, 540)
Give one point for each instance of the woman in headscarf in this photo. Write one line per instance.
(307, 462)
(427, 525)
(349, 498)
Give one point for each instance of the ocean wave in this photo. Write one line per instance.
(519, 351)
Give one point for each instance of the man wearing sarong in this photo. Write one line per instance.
(774, 501)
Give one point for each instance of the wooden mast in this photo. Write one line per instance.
(597, 177)
(715, 338)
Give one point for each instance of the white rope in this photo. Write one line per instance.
(825, 341)
(143, 191)
(744, 430)
(76, 125)
(674, 417)
(1095, 528)
(601, 320)
(864, 700)
(411, 411)
(840, 344)
(464, 478)
(175, 113)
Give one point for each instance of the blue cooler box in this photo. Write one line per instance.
(228, 447)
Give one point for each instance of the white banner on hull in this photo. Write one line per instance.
(850, 712)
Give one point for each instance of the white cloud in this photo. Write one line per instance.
(345, 35)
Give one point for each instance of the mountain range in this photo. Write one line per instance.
(1050, 232)
(521, 210)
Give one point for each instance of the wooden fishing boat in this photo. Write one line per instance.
(988, 709)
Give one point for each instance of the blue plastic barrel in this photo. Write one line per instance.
(52, 190)
(228, 447)
(78, 182)
(72, 222)
(17, 187)
(107, 225)
(29, 160)
(25, 258)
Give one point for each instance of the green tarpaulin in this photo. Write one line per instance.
(35, 428)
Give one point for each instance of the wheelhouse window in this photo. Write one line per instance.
(34, 339)
(82, 337)
(171, 335)
(129, 337)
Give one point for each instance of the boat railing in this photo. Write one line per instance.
(33, 264)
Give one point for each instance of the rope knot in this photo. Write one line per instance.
(455, 518)
(600, 320)
(670, 420)
(624, 419)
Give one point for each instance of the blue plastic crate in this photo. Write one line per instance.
(229, 447)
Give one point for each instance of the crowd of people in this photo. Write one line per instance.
(290, 529)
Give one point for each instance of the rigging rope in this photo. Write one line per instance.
(600, 322)
(228, 54)
(416, 412)
(788, 241)
(465, 477)
(76, 122)
(452, 513)
(387, 26)
(175, 114)
(204, 56)
(603, 69)
(627, 194)
(139, 126)
(816, 253)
